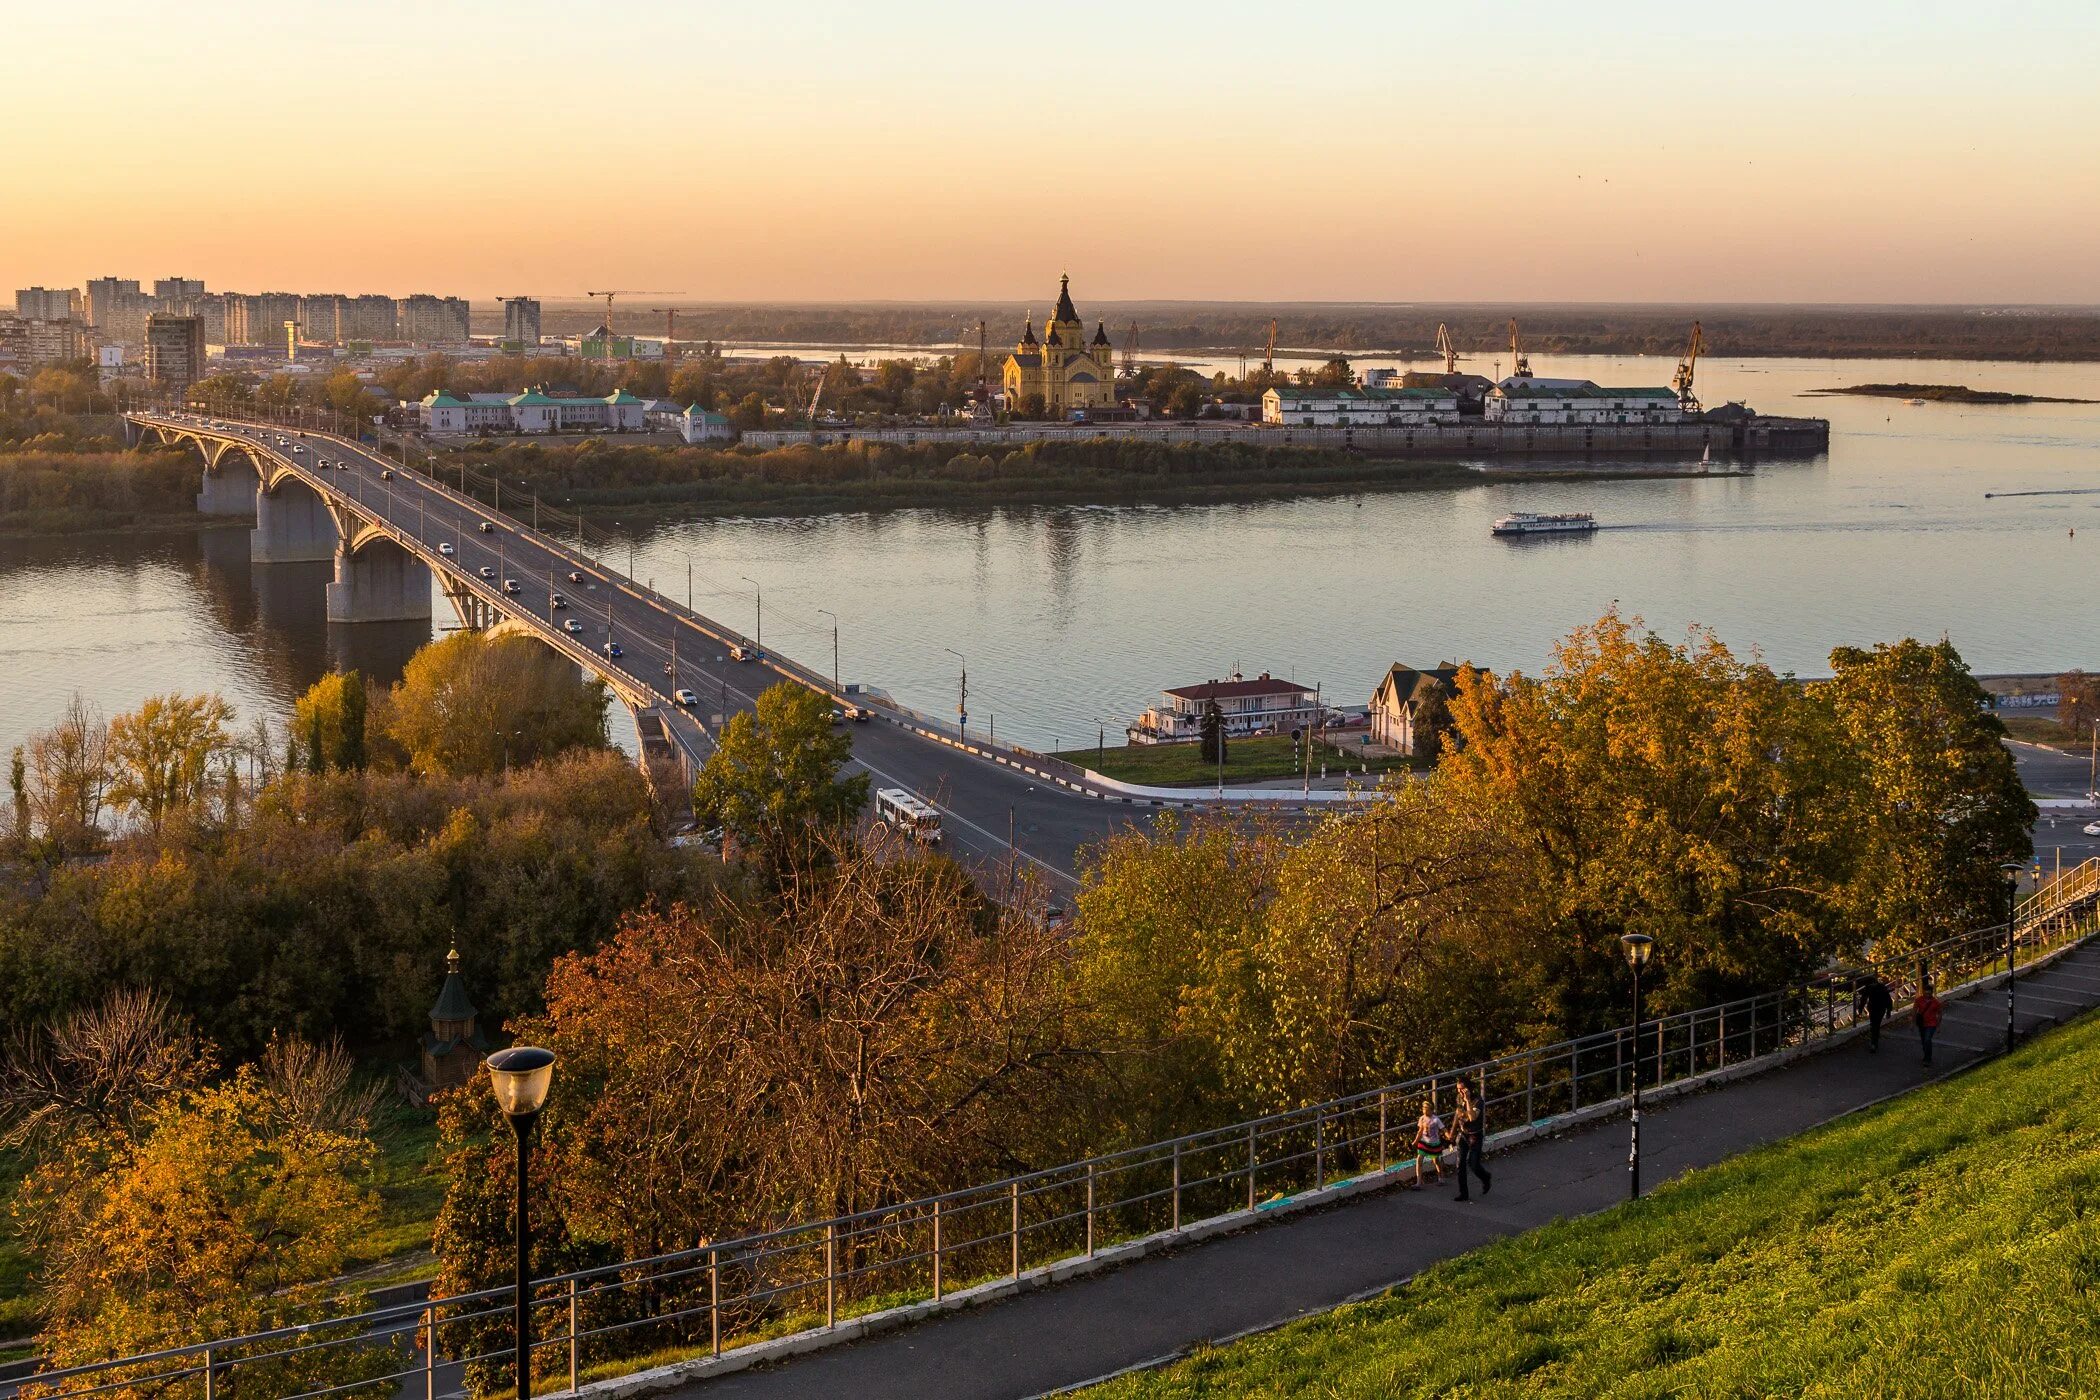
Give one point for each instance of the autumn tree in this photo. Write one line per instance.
(2078, 705)
(228, 1213)
(473, 703)
(1212, 741)
(1934, 804)
(160, 755)
(773, 781)
(331, 719)
(66, 777)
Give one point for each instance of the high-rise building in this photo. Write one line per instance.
(178, 288)
(258, 318)
(174, 350)
(366, 319)
(48, 303)
(427, 320)
(211, 307)
(102, 296)
(521, 323)
(320, 318)
(33, 342)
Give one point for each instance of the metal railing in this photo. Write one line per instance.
(806, 1276)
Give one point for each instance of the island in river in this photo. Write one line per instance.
(1946, 393)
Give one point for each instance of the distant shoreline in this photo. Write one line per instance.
(1945, 393)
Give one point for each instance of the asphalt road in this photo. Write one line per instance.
(664, 647)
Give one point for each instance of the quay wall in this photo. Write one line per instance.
(1757, 435)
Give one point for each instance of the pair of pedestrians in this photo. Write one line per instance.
(1469, 1136)
(1874, 998)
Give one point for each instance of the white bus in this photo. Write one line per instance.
(916, 819)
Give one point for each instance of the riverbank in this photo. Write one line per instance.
(95, 492)
(629, 482)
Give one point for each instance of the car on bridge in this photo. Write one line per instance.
(445, 548)
(488, 570)
(612, 649)
(686, 698)
(555, 600)
(576, 576)
(743, 651)
(571, 626)
(386, 473)
(511, 585)
(909, 815)
(486, 528)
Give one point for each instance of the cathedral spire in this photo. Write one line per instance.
(1065, 311)
(1028, 330)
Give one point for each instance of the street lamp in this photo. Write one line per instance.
(962, 703)
(834, 650)
(760, 594)
(1639, 947)
(521, 1077)
(2011, 869)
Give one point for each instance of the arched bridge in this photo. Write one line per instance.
(391, 531)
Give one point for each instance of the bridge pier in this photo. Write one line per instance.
(230, 489)
(382, 582)
(292, 525)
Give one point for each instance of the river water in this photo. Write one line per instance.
(1074, 618)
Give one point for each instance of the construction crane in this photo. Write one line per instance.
(616, 292)
(670, 315)
(1685, 365)
(1268, 359)
(1520, 364)
(1445, 348)
(1130, 349)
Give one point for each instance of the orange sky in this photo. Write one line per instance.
(1618, 151)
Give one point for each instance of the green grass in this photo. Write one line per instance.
(411, 1188)
(1944, 1245)
(1246, 761)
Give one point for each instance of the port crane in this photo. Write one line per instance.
(670, 315)
(1682, 382)
(1445, 348)
(1520, 363)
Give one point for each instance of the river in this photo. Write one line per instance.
(1073, 619)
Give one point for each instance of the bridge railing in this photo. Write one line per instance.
(807, 1276)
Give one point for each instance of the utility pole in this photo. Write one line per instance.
(834, 649)
(760, 595)
(962, 703)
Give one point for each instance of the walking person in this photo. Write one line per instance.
(1925, 1009)
(1469, 1125)
(1429, 1144)
(1874, 998)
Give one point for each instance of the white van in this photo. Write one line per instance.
(918, 820)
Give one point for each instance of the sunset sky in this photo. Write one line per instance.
(815, 150)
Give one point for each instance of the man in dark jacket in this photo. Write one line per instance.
(1873, 997)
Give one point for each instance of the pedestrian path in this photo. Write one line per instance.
(1066, 1335)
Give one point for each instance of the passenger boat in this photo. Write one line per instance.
(1526, 523)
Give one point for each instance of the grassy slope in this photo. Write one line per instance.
(2038, 729)
(1246, 761)
(1946, 1244)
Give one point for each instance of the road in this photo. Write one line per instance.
(665, 647)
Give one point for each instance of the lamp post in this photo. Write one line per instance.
(2011, 870)
(962, 703)
(759, 594)
(834, 649)
(1639, 947)
(521, 1077)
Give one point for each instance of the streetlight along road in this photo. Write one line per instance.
(521, 1076)
(1639, 947)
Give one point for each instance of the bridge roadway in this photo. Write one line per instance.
(978, 799)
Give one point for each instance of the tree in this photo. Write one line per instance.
(873, 1031)
(229, 1213)
(332, 716)
(68, 777)
(750, 412)
(1184, 401)
(472, 703)
(160, 755)
(2078, 706)
(18, 789)
(1213, 735)
(1030, 407)
(1935, 804)
(773, 782)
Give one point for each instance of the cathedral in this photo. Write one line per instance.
(1069, 372)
